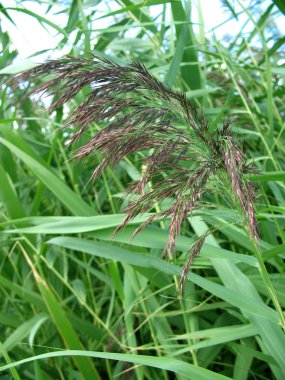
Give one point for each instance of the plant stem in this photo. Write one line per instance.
(268, 283)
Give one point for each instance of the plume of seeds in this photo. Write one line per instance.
(140, 114)
(192, 253)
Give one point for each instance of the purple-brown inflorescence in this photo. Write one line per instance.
(140, 114)
(235, 164)
(193, 252)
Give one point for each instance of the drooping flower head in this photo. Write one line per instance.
(182, 155)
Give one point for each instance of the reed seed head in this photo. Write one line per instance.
(141, 114)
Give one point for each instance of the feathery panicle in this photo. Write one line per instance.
(193, 252)
(140, 114)
(235, 165)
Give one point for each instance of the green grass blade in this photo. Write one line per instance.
(177, 57)
(138, 15)
(72, 201)
(190, 72)
(64, 326)
(280, 4)
(39, 18)
(217, 336)
(145, 260)
(21, 332)
(9, 196)
(268, 176)
(177, 366)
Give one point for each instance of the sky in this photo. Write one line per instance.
(30, 37)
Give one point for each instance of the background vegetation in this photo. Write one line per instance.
(65, 286)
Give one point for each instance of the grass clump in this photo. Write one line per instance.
(77, 300)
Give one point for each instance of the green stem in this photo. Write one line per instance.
(268, 284)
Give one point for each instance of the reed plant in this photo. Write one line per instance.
(175, 143)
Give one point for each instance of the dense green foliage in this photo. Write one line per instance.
(76, 304)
